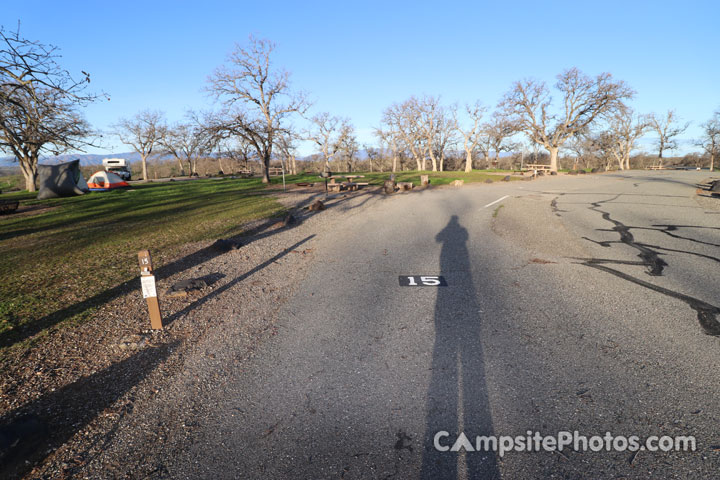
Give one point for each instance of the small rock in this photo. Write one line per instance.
(487, 180)
(553, 173)
(582, 172)
(188, 285)
(389, 186)
(133, 342)
(289, 220)
(225, 245)
(457, 183)
(572, 172)
(506, 179)
(594, 170)
(317, 206)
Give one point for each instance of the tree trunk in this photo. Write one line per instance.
(627, 162)
(712, 162)
(143, 158)
(621, 162)
(29, 169)
(394, 165)
(266, 169)
(487, 160)
(30, 181)
(294, 165)
(553, 151)
(468, 161)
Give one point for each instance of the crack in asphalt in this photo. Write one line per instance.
(707, 314)
(650, 257)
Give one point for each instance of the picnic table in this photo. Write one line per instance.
(540, 167)
(349, 184)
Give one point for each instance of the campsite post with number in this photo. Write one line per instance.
(147, 280)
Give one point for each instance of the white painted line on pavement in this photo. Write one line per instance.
(496, 201)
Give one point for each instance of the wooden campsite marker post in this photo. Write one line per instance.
(147, 280)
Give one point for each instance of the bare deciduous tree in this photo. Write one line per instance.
(256, 97)
(402, 119)
(237, 151)
(373, 155)
(472, 135)
(429, 117)
(584, 148)
(711, 138)
(39, 104)
(287, 148)
(584, 99)
(144, 133)
(498, 132)
(324, 133)
(188, 141)
(348, 145)
(445, 138)
(624, 129)
(667, 128)
(390, 136)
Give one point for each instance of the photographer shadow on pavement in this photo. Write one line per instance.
(457, 399)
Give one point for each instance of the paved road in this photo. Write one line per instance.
(573, 304)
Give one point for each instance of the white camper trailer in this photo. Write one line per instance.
(118, 166)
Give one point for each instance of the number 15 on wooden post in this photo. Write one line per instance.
(147, 280)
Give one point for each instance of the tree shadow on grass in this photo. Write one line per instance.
(11, 337)
(133, 213)
(30, 433)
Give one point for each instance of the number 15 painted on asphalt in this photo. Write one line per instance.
(422, 281)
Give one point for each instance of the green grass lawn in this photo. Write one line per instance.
(87, 244)
(56, 265)
(436, 178)
(11, 182)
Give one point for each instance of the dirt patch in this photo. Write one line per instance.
(705, 198)
(540, 261)
(29, 210)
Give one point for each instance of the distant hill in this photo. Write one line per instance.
(85, 158)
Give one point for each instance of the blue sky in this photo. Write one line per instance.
(355, 59)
